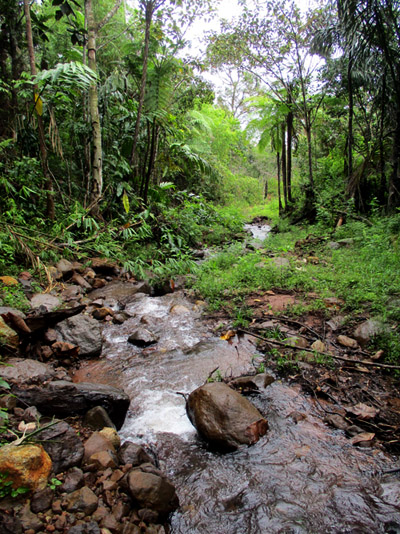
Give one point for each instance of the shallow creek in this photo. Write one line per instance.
(302, 477)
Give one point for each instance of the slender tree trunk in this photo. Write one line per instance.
(93, 28)
(96, 189)
(394, 183)
(310, 158)
(148, 19)
(382, 165)
(146, 160)
(284, 174)
(350, 122)
(278, 166)
(153, 153)
(289, 125)
(42, 140)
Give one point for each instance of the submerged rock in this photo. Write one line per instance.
(224, 418)
(141, 337)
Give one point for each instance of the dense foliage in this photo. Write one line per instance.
(112, 142)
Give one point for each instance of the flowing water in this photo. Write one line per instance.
(302, 477)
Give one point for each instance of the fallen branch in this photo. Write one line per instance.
(341, 358)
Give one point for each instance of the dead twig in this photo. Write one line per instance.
(340, 358)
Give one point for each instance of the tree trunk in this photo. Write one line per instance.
(278, 166)
(284, 175)
(96, 189)
(148, 19)
(394, 183)
(350, 122)
(153, 153)
(310, 159)
(289, 126)
(50, 209)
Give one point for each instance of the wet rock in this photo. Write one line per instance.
(367, 330)
(120, 317)
(63, 446)
(98, 283)
(28, 466)
(65, 267)
(110, 523)
(45, 299)
(71, 293)
(112, 435)
(82, 330)
(41, 500)
(179, 309)
(97, 443)
(105, 266)
(73, 480)
(149, 516)
(152, 490)
(29, 520)
(124, 292)
(131, 453)
(86, 528)
(62, 398)
(26, 371)
(83, 500)
(101, 313)
(131, 528)
(10, 524)
(347, 342)
(224, 418)
(103, 460)
(80, 281)
(141, 337)
(97, 418)
(8, 336)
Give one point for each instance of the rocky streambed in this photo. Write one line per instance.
(150, 352)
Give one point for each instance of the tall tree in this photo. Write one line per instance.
(36, 101)
(93, 27)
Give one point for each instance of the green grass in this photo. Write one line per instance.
(365, 275)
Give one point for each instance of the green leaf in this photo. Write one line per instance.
(125, 202)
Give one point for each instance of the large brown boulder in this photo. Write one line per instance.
(224, 418)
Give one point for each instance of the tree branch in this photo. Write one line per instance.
(109, 15)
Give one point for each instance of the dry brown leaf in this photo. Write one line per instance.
(364, 436)
(363, 411)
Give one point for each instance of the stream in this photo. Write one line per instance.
(302, 477)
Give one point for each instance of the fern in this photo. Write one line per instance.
(73, 74)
